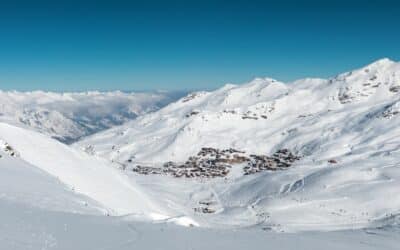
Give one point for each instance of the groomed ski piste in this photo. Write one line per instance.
(335, 186)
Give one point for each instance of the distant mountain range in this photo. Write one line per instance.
(70, 116)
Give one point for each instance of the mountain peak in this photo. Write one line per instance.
(381, 62)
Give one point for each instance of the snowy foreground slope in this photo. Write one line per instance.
(345, 130)
(25, 228)
(38, 211)
(82, 173)
(69, 116)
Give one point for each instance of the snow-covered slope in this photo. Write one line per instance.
(83, 174)
(69, 116)
(253, 113)
(27, 228)
(346, 130)
(24, 184)
(37, 211)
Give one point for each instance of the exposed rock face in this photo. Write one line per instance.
(211, 163)
(204, 210)
(205, 207)
(249, 116)
(192, 113)
(395, 89)
(192, 96)
(89, 149)
(345, 98)
(391, 111)
(8, 149)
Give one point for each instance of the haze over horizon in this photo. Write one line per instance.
(175, 45)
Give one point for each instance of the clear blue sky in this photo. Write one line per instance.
(143, 45)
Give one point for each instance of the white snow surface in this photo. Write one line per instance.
(352, 119)
(70, 116)
(57, 196)
(37, 211)
(83, 174)
(26, 228)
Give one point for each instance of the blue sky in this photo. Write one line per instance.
(182, 45)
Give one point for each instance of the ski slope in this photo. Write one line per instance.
(28, 186)
(26, 228)
(83, 174)
(38, 211)
(346, 130)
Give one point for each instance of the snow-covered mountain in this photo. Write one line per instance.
(70, 116)
(262, 157)
(311, 154)
(259, 116)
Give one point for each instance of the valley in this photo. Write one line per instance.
(304, 161)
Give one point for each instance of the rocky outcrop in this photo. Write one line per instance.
(395, 89)
(191, 96)
(8, 149)
(192, 113)
(391, 110)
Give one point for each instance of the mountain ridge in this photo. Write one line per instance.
(251, 96)
(73, 115)
(344, 133)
